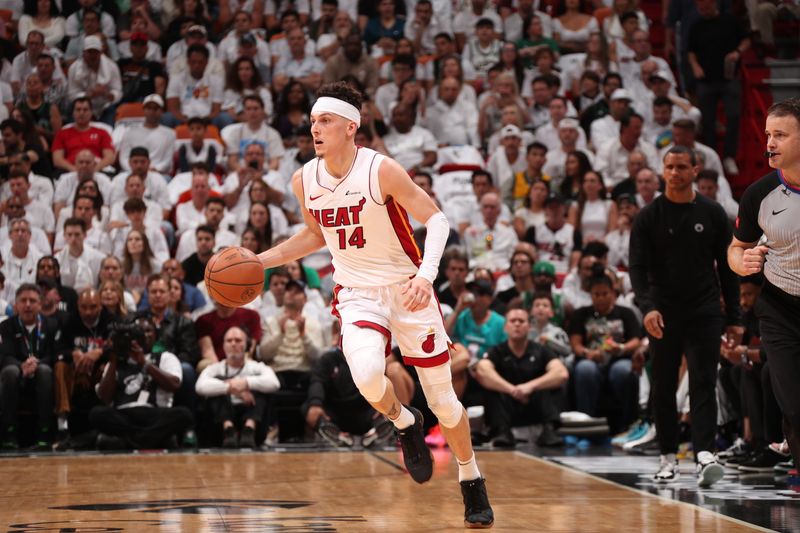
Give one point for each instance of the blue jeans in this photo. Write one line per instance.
(622, 384)
(186, 394)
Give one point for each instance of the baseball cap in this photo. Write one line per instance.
(197, 28)
(247, 38)
(139, 36)
(92, 42)
(510, 130)
(544, 268)
(297, 284)
(621, 94)
(154, 99)
(569, 122)
(480, 287)
(661, 75)
(626, 197)
(554, 198)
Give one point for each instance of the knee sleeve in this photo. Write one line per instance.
(364, 351)
(437, 384)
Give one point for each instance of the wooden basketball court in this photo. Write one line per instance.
(319, 491)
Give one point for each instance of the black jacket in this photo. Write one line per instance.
(47, 346)
(176, 334)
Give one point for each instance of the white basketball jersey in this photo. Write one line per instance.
(370, 240)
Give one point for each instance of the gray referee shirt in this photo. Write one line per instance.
(771, 207)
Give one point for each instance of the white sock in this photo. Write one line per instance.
(669, 458)
(468, 470)
(62, 423)
(404, 419)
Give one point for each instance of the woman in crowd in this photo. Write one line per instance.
(593, 213)
(572, 27)
(532, 213)
(244, 79)
(177, 294)
(138, 263)
(511, 62)
(292, 111)
(112, 298)
(111, 269)
(534, 40)
(576, 166)
(260, 221)
(44, 17)
(596, 58)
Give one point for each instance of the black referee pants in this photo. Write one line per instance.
(777, 313)
(699, 339)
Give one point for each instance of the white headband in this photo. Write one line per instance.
(327, 104)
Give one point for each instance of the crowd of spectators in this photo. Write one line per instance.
(140, 138)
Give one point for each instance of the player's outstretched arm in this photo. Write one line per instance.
(307, 240)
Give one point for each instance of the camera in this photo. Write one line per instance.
(122, 335)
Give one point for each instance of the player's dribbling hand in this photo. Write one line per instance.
(417, 292)
(654, 324)
(753, 259)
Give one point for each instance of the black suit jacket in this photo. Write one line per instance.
(48, 346)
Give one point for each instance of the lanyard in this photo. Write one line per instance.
(38, 336)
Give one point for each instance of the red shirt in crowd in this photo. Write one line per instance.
(72, 141)
(214, 326)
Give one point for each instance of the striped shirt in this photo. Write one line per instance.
(770, 208)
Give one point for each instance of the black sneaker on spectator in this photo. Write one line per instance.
(230, 439)
(416, 454)
(331, 433)
(10, 442)
(111, 443)
(189, 439)
(63, 441)
(739, 448)
(763, 460)
(783, 467)
(667, 469)
(548, 437)
(248, 438)
(478, 513)
(735, 460)
(709, 471)
(504, 439)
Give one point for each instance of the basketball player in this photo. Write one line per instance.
(765, 238)
(355, 201)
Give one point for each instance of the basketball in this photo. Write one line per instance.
(234, 277)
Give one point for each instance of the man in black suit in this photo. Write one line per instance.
(28, 350)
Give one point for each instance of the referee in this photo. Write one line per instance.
(770, 208)
(678, 268)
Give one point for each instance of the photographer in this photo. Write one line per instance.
(237, 389)
(137, 388)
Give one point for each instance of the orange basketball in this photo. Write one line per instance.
(234, 277)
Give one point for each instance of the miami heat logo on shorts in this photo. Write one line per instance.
(428, 341)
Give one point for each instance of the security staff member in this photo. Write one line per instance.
(678, 267)
(770, 210)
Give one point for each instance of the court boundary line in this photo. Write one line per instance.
(642, 492)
